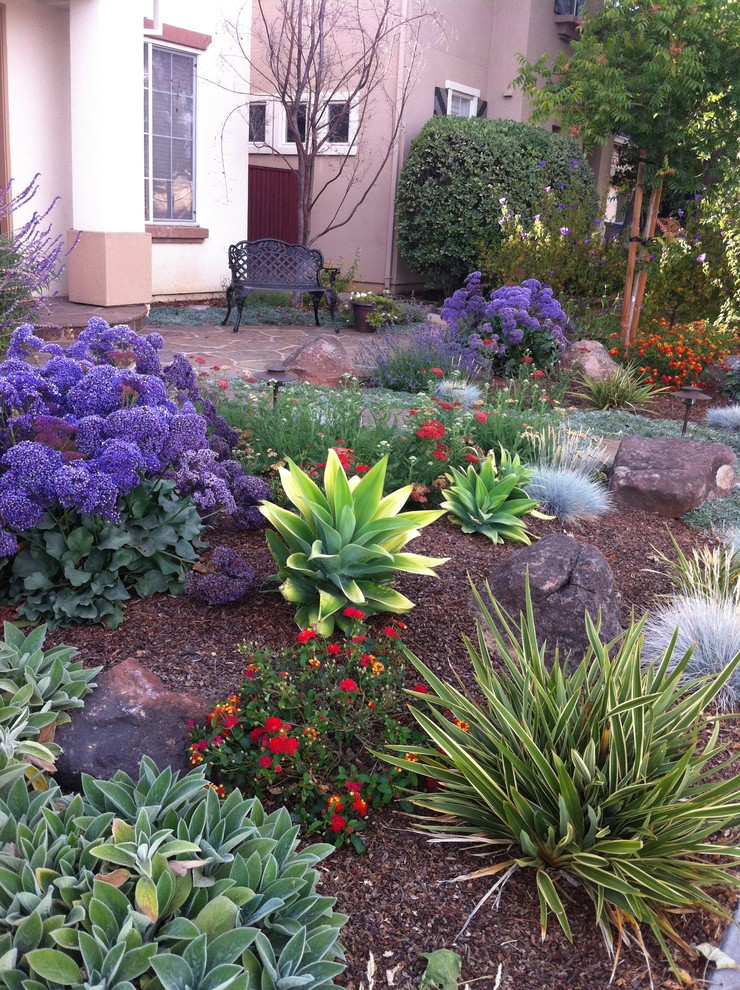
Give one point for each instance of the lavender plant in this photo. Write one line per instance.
(515, 324)
(30, 260)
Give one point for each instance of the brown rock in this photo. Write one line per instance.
(131, 714)
(591, 358)
(322, 361)
(670, 477)
(566, 580)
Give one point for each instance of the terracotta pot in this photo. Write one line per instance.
(360, 313)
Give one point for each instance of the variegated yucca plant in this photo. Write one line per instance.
(600, 779)
(343, 545)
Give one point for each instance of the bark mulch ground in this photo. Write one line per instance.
(396, 896)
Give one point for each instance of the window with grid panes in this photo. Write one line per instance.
(169, 134)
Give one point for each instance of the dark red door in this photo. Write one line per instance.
(273, 204)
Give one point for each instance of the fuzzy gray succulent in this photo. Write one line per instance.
(156, 882)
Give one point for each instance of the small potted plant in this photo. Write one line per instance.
(370, 311)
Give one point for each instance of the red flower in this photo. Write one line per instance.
(472, 458)
(337, 823)
(445, 405)
(353, 613)
(334, 649)
(527, 360)
(360, 806)
(362, 468)
(305, 635)
(440, 452)
(420, 688)
(352, 786)
(255, 734)
(273, 724)
(431, 430)
(436, 371)
(265, 761)
(539, 373)
(481, 416)
(390, 631)
(348, 685)
(358, 639)
(223, 384)
(283, 744)
(230, 721)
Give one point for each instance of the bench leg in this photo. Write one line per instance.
(240, 300)
(229, 303)
(331, 299)
(315, 299)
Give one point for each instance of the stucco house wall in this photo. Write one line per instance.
(74, 113)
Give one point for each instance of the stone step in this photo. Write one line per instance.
(60, 319)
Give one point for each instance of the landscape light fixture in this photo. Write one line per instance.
(688, 397)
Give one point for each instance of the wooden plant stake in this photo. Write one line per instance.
(634, 240)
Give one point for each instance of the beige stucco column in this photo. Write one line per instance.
(111, 264)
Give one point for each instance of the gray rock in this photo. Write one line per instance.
(670, 477)
(131, 714)
(322, 361)
(566, 580)
(591, 358)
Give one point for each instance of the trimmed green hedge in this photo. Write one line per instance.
(456, 172)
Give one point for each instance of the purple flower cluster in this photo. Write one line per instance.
(89, 425)
(227, 579)
(513, 322)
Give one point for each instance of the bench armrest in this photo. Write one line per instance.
(333, 272)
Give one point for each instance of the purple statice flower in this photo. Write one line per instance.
(90, 434)
(89, 494)
(17, 510)
(187, 431)
(248, 518)
(122, 461)
(200, 475)
(227, 579)
(8, 544)
(145, 426)
(32, 466)
(24, 342)
(64, 373)
(98, 393)
(103, 344)
(179, 377)
(251, 490)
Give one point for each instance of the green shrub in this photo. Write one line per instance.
(491, 499)
(344, 544)
(301, 725)
(626, 388)
(600, 778)
(77, 568)
(562, 246)
(454, 177)
(136, 881)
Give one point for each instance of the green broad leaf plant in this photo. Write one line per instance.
(598, 777)
(491, 499)
(343, 545)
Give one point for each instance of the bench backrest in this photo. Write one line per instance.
(270, 261)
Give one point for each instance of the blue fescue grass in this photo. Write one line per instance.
(568, 494)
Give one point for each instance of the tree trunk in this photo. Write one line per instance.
(649, 233)
(634, 240)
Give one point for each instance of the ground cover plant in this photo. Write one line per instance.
(110, 466)
(593, 772)
(301, 724)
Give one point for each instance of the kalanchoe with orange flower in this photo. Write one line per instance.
(300, 728)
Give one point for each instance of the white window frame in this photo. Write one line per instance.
(151, 219)
(276, 125)
(466, 92)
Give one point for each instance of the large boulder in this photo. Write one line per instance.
(670, 477)
(591, 358)
(322, 361)
(130, 714)
(566, 580)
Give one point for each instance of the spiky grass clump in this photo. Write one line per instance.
(458, 390)
(711, 628)
(568, 494)
(711, 573)
(727, 418)
(597, 779)
(627, 388)
(563, 446)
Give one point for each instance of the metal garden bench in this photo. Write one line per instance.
(273, 264)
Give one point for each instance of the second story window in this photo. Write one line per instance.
(169, 134)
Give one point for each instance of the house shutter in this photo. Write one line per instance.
(440, 102)
(482, 107)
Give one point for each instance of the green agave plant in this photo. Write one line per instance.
(344, 544)
(600, 779)
(491, 499)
